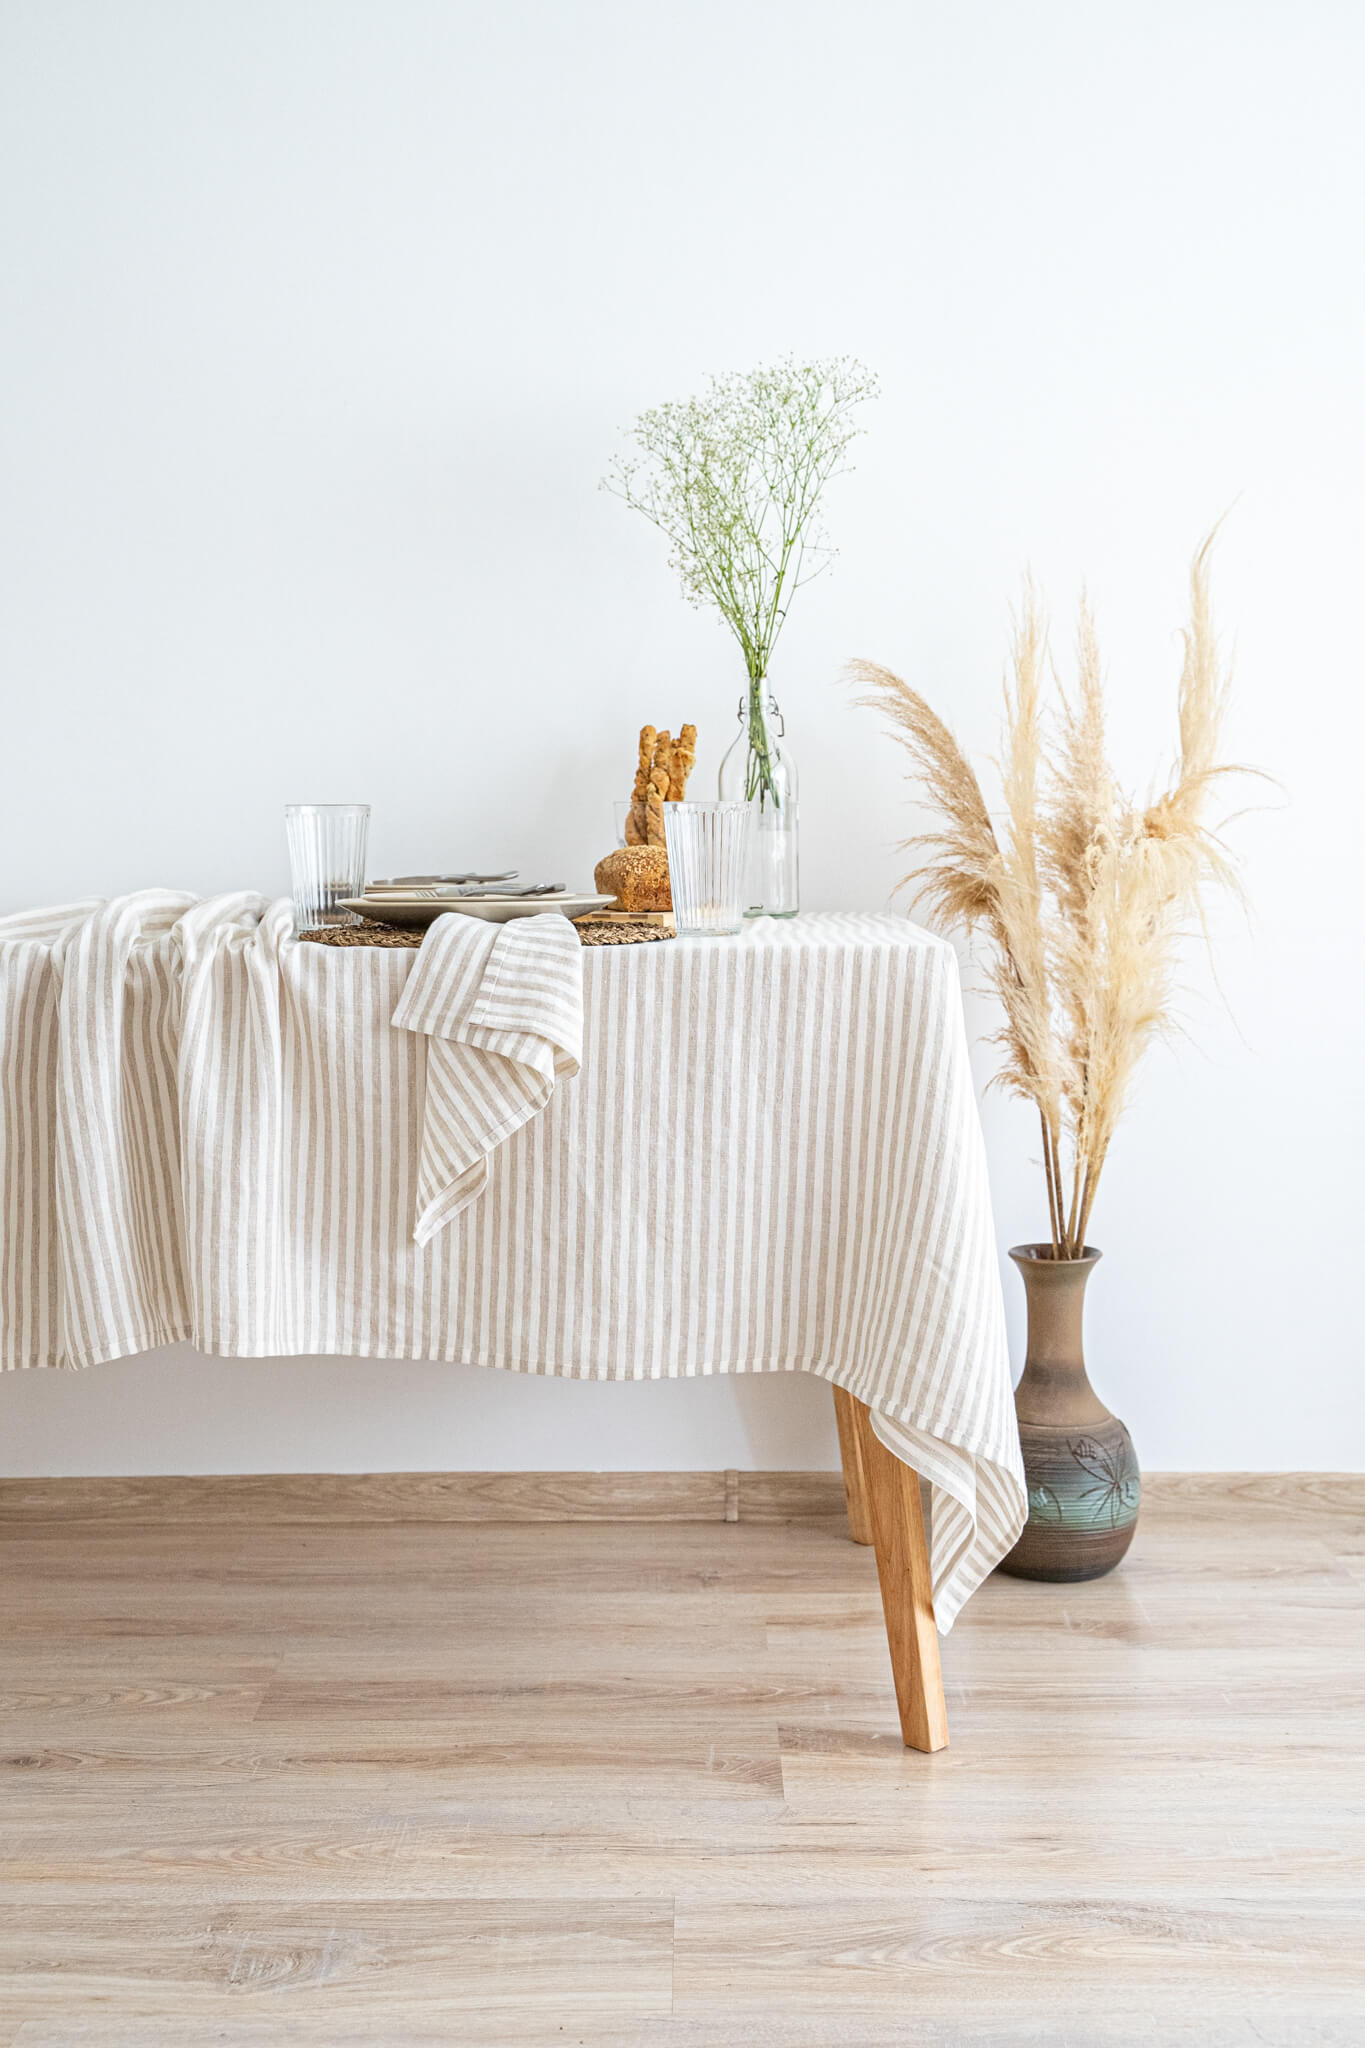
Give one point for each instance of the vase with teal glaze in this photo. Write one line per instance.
(1079, 1464)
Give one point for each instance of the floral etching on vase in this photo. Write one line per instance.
(1114, 1471)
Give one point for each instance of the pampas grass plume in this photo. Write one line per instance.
(1084, 897)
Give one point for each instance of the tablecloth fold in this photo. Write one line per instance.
(502, 1010)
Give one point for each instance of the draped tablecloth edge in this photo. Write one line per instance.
(962, 1552)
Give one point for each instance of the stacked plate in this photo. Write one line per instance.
(421, 899)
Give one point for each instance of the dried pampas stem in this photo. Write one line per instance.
(1085, 897)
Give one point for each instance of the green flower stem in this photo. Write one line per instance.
(759, 782)
(733, 480)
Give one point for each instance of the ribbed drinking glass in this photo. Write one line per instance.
(707, 844)
(326, 860)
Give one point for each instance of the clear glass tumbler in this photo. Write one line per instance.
(707, 844)
(326, 860)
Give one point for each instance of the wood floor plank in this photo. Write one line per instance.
(947, 1957)
(359, 1956)
(50, 1705)
(572, 1763)
(783, 2030)
(401, 1841)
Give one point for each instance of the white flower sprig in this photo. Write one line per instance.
(733, 480)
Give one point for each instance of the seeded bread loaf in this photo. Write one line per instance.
(637, 876)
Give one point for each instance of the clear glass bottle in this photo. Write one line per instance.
(760, 771)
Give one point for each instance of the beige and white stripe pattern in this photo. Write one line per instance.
(769, 1161)
(514, 991)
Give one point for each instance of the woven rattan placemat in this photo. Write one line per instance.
(368, 933)
(593, 933)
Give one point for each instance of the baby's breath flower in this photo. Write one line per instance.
(733, 481)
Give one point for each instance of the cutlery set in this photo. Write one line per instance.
(420, 899)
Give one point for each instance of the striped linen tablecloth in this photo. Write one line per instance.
(703, 1156)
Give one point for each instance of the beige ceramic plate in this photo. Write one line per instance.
(424, 906)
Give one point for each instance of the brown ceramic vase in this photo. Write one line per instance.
(1083, 1482)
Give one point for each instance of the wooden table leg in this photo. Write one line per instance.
(907, 1590)
(855, 1479)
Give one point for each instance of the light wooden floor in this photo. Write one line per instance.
(373, 1781)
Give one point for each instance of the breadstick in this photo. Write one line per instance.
(683, 761)
(659, 766)
(657, 794)
(636, 822)
(654, 817)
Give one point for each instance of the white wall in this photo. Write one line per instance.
(319, 323)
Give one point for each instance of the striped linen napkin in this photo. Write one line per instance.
(501, 1006)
